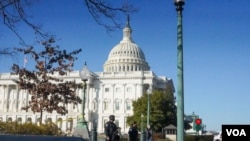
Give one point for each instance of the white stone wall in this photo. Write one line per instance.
(116, 89)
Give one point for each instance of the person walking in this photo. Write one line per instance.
(111, 130)
(133, 132)
(149, 133)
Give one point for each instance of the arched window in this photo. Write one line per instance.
(70, 124)
(59, 122)
(38, 121)
(49, 121)
(19, 120)
(29, 120)
(94, 105)
(105, 105)
(9, 119)
(117, 104)
(128, 104)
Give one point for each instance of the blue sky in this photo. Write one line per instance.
(215, 40)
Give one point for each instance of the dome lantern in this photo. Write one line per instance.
(127, 31)
(126, 56)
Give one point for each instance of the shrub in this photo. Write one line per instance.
(29, 128)
(199, 138)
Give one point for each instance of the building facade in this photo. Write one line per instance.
(125, 78)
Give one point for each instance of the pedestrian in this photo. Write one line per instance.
(133, 132)
(149, 133)
(111, 130)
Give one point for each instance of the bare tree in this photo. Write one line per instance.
(99, 9)
(48, 92)
(12, 12)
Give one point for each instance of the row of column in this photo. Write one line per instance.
(65, 123)
(119, 68)
(13, 99)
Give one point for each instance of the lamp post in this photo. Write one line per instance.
(180, 86)
(142, 129)
(148, 109)
(94, 132)
(82, 126)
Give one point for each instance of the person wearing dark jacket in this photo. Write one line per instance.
(111, 130)
(149, 133)
(133, 132)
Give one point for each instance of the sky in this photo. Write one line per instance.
(216, 45)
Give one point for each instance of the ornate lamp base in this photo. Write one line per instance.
(81, 129)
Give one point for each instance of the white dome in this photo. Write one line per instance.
(126, 56)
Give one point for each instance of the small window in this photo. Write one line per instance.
(105, 105)
(128, 106)
(129, 89)
(106, 89)
(117, 105)
(94, 105)
(117, 89)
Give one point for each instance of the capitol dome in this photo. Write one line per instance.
(126, 56)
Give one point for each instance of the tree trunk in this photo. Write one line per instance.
(41, 117)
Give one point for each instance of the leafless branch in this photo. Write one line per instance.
(8, 52)
(13, 13)
(100, 10)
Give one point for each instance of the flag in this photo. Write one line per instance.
(25, 61)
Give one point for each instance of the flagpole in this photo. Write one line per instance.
(24, 61)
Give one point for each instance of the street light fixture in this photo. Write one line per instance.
(149, 91)
(82, 125)
(180, 85)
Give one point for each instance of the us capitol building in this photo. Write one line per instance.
(126, 77)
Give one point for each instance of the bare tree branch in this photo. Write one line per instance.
(13, 13)
(8, 52)
(101, 10)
